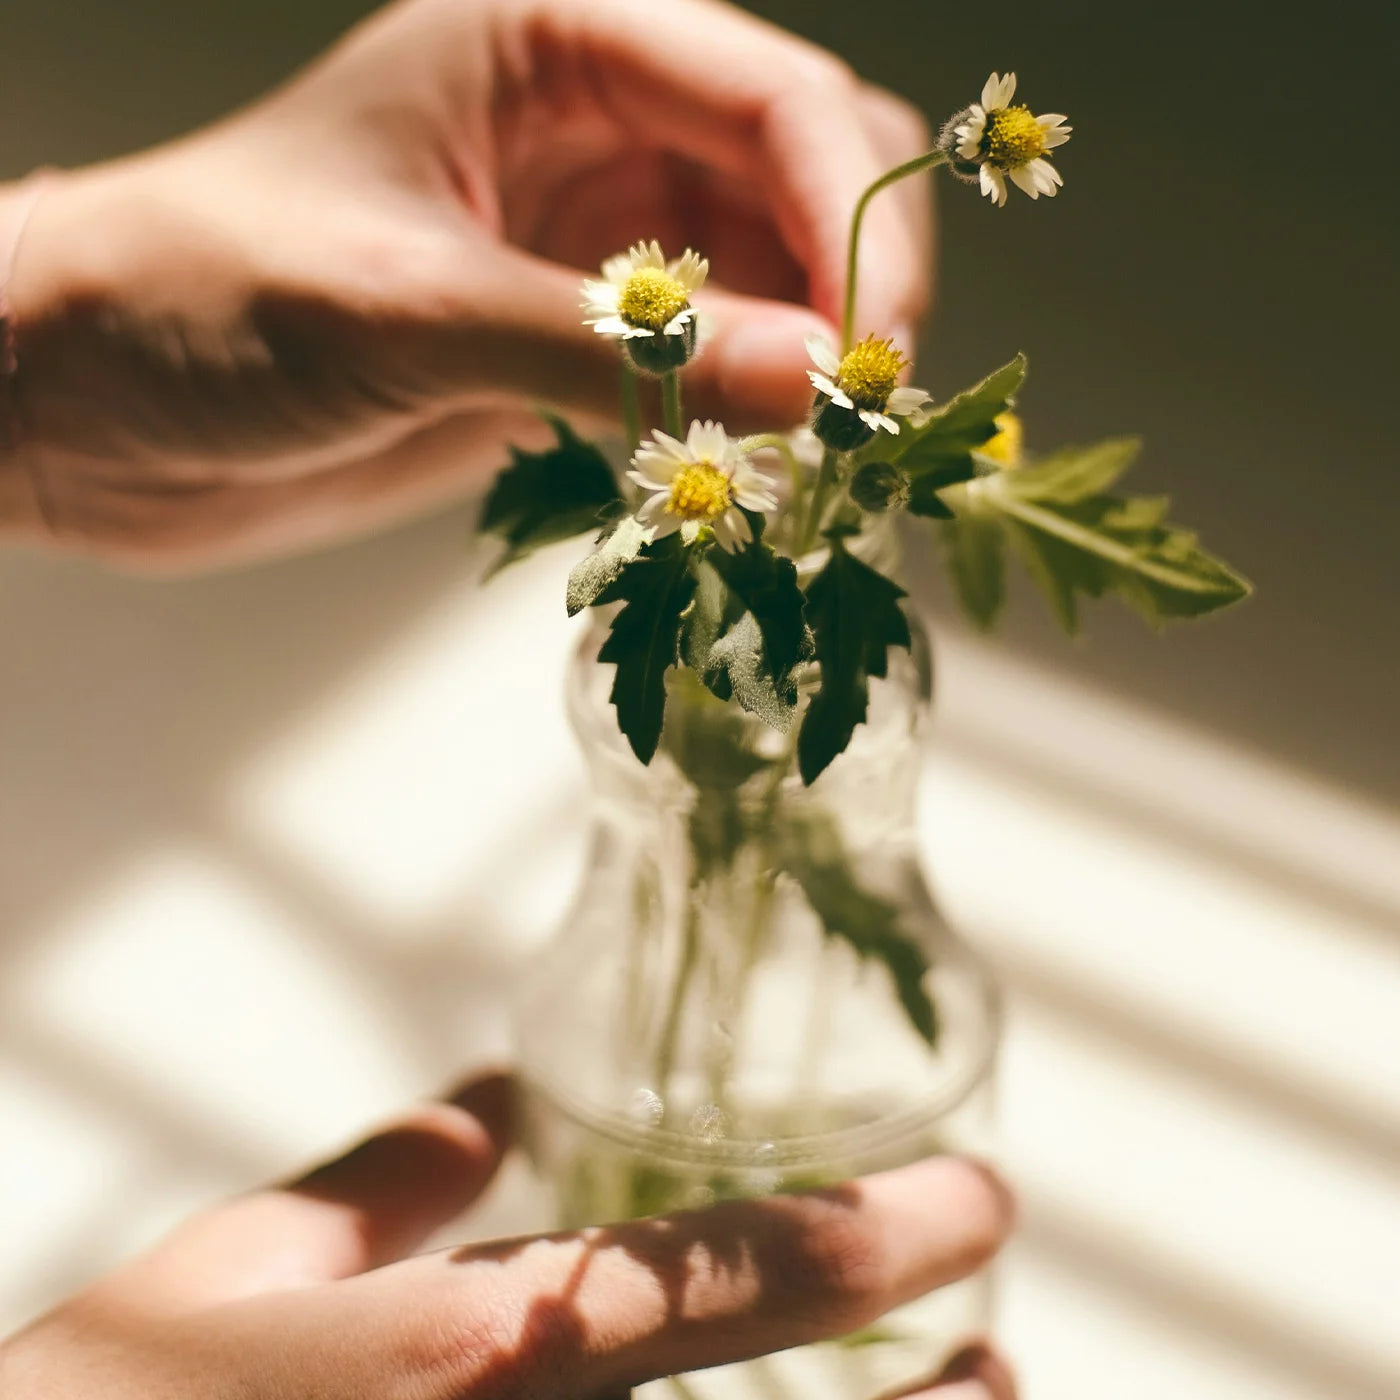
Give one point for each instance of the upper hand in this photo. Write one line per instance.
(303, 1290)
(338, 305)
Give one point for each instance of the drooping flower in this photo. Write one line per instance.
(644, 302)
(992, 140)
(858, 393)
(701, 482)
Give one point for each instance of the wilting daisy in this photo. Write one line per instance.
(857, 393)
(644, 301)
(702, 481)
(992, 139)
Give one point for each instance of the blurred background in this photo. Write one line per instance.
(273, 844)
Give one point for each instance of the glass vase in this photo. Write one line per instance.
(754, 992)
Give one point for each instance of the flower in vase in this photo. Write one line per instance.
(858, 393)
(643, 301)
(705, 482)
(992, 140)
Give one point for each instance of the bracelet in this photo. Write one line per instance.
(14, 219)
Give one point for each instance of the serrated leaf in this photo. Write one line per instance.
(740, 659)
(941, 448)
(1073, 473)
(644, 640)
(544, 497)
(855, 618)
(976, 559)
(924, 498)
(1098, 544)
(591, 576)
(766, 585)
(811, 850)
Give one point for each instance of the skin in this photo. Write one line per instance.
(336, 307)
(308, 1289)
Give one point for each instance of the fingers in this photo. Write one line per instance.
(372, 1205)
(741, 96)
(974, 1373)
(608, 1308)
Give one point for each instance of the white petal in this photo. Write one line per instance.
(906, 401)
(992, 185)
(672, 447)
(689, 529)
(618, 269)
(638, 333)
(823, 354)
(652, 508)
(822, 384)
(707, 440)
(601, 294)
(611, 325)
(690, 270)
(1023, 177)
(652, 470)
(647, 255)
(990, 90)
(667, 524)
(677, 322)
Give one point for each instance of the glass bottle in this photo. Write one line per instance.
(754, 992)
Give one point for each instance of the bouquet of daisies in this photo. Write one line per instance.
(738, 559)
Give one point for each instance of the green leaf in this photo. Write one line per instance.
(644, 641)
(1074, 473)
(1095, 544)
(976, 559)
(544, 497)
(766, 585)
(740, 667)
(855, 616)
(811, 850)
(941, 449)
(591, 576)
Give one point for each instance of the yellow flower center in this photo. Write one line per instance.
(1013, 138)
(700, 492)
(651, 298)
(1005, 447)
(869, 372)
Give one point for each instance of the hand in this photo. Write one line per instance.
(295, 1290)
(336, 306)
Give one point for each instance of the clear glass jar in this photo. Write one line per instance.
(697, 1030)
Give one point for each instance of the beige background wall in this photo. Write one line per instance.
(260, 877)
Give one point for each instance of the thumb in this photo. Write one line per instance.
(516, 328)
(751, 371)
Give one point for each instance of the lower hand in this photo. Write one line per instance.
(305, 1289)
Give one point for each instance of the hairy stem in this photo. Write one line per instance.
(671, 404)
(890, 177)
(631, 407)
(821, 494)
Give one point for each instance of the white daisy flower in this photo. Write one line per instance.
(702, 481)
(644, 302)
(994, 140)
(857, 392)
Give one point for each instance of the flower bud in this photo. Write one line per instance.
(880, 486)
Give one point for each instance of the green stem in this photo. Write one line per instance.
(671, 1027)
(631, 407)
(671, 404)
(890, 177)
(821, 492)
(797, 473)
